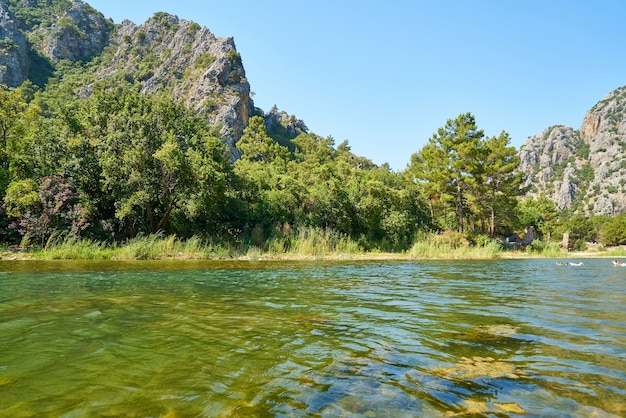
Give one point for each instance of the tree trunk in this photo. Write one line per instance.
(492, 227)
(459, 202)
(432, 210)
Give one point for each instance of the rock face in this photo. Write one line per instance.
(201, 70)
(281, 121)
(42, 34)
(78, 33)
(164, 54)
(584, 170)
(13, 49)
(282, 126)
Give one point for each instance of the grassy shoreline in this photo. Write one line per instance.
(310, 247)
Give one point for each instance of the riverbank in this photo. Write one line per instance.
(172, 248)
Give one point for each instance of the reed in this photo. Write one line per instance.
(615, 252)
(320, 242)
(446, 246)
(160, 247)
(546, 249)
(75, 249)
(303, 243)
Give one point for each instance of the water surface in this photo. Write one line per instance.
(414, 339)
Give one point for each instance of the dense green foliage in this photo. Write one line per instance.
(120, 164)
(461, 172)
(127, 164)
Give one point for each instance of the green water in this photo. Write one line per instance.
(396, 339)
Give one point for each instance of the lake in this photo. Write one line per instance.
(327, 339)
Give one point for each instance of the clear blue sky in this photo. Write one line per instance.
(386, 75)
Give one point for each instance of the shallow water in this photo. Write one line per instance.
(396, 339)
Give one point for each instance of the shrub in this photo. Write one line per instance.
(204, 61)
(56, 211)
(544, 248)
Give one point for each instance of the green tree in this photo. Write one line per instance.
(12, 107)
(256, 145)
(446, 166)
(155, 158)
(20, 196)
(498, 183)
(580, 231)
(31, 146)
(425, 170)
(614, 231)
(539, 213)
(269, 190)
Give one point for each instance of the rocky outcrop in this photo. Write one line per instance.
(13, 50)
(284, 123)
(78, 33)
(164, 54)
(583, 170)
(42, 33)
(200, 69)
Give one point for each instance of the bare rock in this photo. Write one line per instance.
(13, 50)
(582, 170)
(200, 69)
(79, 33)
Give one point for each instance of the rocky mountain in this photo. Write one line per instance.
(200, 69)
(35, 35)
(582, 170)
(164, 53)
(13, 49)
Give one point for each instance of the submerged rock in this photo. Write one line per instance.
(510, 407)
(479, 368)
(478, 407)
(504, 330)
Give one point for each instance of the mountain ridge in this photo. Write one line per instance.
(584, 170)
(165, 53)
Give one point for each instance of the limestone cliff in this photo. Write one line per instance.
(35, 35)
(283, 127)
(13, 49)
(584, 170)
(76, 33)
(199, 69)
(164, 54)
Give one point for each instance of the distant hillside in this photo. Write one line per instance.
(38, 39)
(582, 170)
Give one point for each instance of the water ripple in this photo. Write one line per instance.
(490, 338)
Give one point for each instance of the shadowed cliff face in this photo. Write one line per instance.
(13, 50)
(38, 36)
(583, 170)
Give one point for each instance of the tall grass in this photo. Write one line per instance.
(307, 242)
(159, 247)
(319, 242)
(544, 249)
(453, 246)
(75, 249)
(311, 242)
(616, 252)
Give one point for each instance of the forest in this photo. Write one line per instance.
(120, 164)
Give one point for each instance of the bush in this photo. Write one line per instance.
(580, 245)
(544, 248)
(613, 232)
(56, 210)
(204, 61)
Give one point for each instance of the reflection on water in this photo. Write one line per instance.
(171, 339)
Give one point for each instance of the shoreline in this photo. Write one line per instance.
(373, 256)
